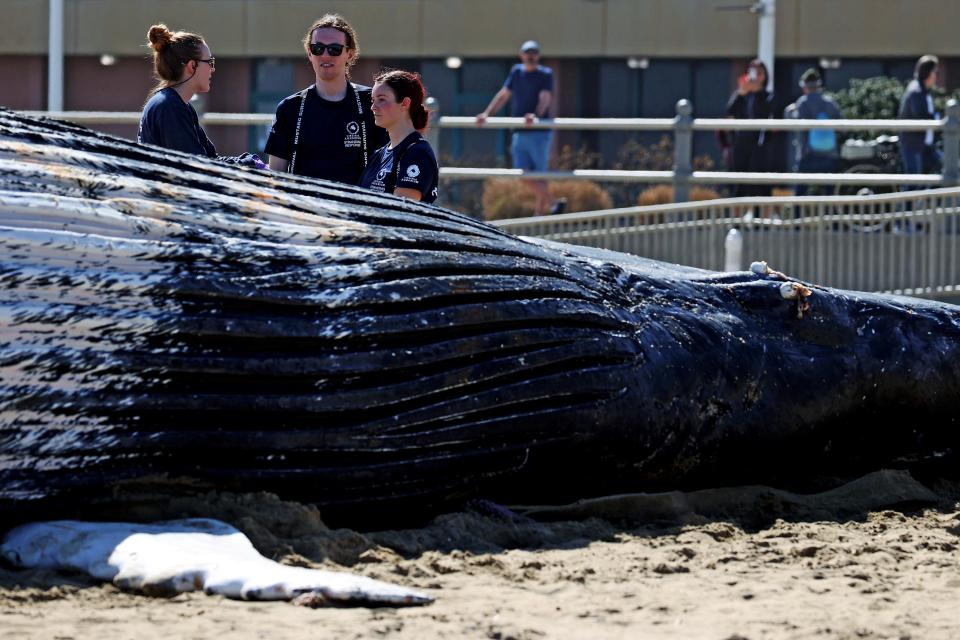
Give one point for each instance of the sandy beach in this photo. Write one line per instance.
(694, 572)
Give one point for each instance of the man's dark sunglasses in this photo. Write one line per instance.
(316, 48)
(535, 52)
(210, 61)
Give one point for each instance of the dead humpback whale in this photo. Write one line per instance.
(167, 316)
(170, 319)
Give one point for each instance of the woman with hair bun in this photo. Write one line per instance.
(406, 166)
(183, 66)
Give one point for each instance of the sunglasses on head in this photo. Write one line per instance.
(316, 48)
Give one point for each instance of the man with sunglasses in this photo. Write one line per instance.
(327, 130)
(529, 87)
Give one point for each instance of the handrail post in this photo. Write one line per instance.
(433, 131)
(682, 150)
(733, 250)
(951, 145)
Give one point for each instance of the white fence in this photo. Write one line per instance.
(907, 243)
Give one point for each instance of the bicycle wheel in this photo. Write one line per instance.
(863, 190)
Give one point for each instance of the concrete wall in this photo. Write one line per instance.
(24, 83)
(659, 28)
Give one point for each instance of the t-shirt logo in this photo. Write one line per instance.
(352, 139)
(381, 175)
(413, 171)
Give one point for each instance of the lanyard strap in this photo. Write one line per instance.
(296, 135)
(363, 124)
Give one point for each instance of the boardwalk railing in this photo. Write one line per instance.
(682, 127)
(907, 243)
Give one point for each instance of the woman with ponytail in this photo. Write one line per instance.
(406, 166)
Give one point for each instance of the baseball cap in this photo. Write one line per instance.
(810, 76)
(530, 44)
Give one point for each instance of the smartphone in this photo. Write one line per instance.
(752, 74)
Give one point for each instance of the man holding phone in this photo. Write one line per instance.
(327, 130)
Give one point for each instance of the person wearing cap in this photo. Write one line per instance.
(816, 150)
(529, 88)
(916, 147)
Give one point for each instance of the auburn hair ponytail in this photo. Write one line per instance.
(406, 84)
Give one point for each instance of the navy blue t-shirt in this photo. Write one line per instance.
(410, 165)
(331, 136)
(526, 87)
(168, 121)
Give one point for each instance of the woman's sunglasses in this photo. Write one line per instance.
(210, 61)
(316, 48)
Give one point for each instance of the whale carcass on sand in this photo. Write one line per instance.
(169, 317)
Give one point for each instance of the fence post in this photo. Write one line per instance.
(951, 145)
(433, 132)
(682, 150)
(733, 251)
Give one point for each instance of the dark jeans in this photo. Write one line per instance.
(813, 163)
(750, 157)
(926, 160)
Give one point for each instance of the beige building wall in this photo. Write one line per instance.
(413, 28)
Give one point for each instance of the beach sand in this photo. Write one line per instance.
(642, 571)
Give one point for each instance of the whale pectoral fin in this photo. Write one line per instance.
(312, 587)
(178, 556)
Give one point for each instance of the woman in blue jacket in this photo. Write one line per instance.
(184, 67)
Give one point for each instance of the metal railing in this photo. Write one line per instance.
(906, 243)
(682, 126)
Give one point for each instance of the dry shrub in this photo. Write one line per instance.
(510, 198)
(634, 154)
(505, 198)
(581, 195)
(663, 194)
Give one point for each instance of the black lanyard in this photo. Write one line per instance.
(296, 135)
